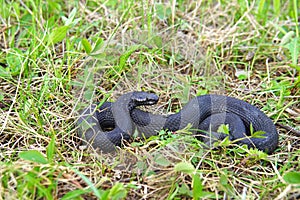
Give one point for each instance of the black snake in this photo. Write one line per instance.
(106, 127)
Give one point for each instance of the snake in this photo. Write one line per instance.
(107, 126)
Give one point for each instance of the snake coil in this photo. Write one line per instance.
(106, 127)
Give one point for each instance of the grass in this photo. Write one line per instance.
(57, 56)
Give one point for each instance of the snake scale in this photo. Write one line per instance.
(106, 127)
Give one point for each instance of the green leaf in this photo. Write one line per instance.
(297, 67)
(71, 17)
(158, 41)
(162, 11)
(251, 129)
(184, 167)
(197, 187)
(258, 155)
(86, 45)
(34, 156)
(71, 21)
(226, 142)
(58, 34)
(88, 94)
(14, 61)
(223, 180)
(161, 160)
(118, 191)
(173, 191)
(1, 96)
(277, 7)
(225, 186)
(51, 149)
(124, 57)
(99, 43)
(292, 177)
(28, 104)
(185, 190)
(75, 194)
(262, 11)
(293, 47)
(259, 134)
(36, 183)
(4, 73)
(242, 77)
(223, 128)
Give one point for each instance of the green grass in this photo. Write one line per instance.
(57, 57)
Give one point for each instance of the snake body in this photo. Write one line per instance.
(106, 127)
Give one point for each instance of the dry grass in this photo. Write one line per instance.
(194, 48)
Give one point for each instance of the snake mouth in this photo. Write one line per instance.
(151, 99)
(144, 99)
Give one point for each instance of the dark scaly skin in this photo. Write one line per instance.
(205, 112)
(117, 115)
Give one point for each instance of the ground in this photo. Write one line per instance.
(57, 56)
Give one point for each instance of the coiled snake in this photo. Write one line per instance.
(106, 127)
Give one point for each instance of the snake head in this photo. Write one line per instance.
(144, 98)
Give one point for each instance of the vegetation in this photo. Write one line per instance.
(57, 56)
